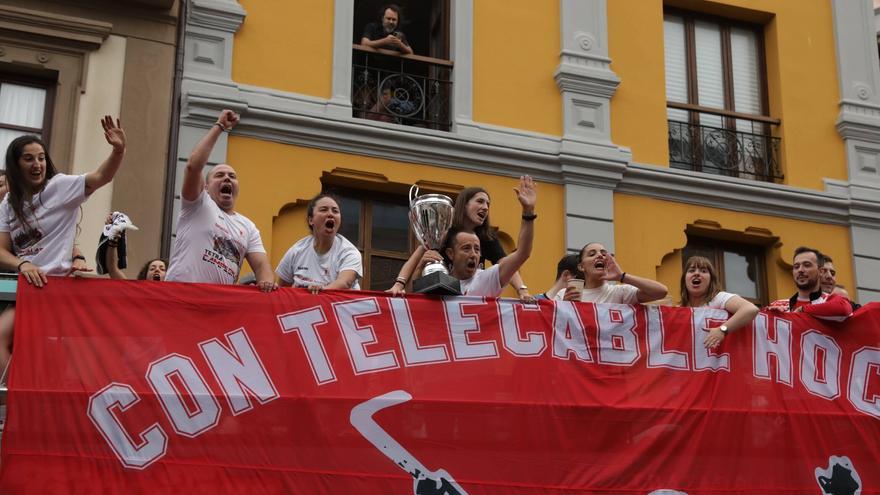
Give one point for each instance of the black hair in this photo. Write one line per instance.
(569, 262)
(820, 258)
(584, 249)
(15, 179)
(395, 8)
(310, 209)
(142, 275)
(483, 231)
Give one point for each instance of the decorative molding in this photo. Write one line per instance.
(87, 32)
(735, 194)
(221, 15)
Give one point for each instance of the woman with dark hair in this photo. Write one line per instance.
(699, 288)
(38, 215)
(324, 259)
(471, 214)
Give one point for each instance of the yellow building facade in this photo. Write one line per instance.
(580, 94)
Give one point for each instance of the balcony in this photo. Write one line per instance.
(401, 89)
(723, 143)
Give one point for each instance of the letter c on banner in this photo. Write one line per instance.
(152, 441)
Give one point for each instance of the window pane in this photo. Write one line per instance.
(740, 274)
(390, 227)
(710, 75)
(383, 272)
(676, 64)
(6, 137)
(351, 219)
(22, 105)
(746, 75)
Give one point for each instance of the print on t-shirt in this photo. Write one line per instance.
(25, 240)
(225, 253)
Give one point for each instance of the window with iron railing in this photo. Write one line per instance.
(389, 84)
(717, 99)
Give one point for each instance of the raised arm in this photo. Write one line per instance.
(105, 172)
(527, 195)
(193, 179)
(112, 262)
(649, 290)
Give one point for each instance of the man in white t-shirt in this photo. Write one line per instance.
(212, 239)
(463, 249)
(600, 267)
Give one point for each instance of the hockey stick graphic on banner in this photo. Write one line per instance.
(425, 482)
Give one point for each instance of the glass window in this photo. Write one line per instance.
(740, 267)
(379, 226)
(22, 110)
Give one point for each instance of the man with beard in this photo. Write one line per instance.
(599, 267)
(212, 239)
(387, 36)
(462, 248)
(806, 270)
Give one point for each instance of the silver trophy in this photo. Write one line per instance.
(431, 217)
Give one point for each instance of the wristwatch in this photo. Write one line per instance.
(723, 329)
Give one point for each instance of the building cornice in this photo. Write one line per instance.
(222, 15)
(736, 194)
(87, 32)
(305, 121)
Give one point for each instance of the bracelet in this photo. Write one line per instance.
(529, 218)
(112, 244)
(400, 280)
(18, 268)
(79, 257)
(622, 277)
(221, 126)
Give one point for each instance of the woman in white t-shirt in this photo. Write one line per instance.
(699, 288)
(324, 259)
(38, 215)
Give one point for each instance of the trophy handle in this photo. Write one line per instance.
(413, 196)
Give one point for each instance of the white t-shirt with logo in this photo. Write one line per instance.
(719, 301)
(302, 266)
(52, 215)
(485, 283)
(607, 293)
(211, 244)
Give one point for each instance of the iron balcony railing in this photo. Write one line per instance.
(724, 143)
(401, 89)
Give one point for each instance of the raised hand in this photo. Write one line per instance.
(228, 119)
(613, 271)
(113, 133)
(527, 194)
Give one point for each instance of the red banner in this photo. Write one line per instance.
(141, 387)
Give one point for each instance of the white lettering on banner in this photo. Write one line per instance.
(865, 365)
(206, 412)
(461, 325)
(239, 371)
(707, 359)
(512, 340)
(657, 357)
(103, 405)
(357, 336)
(303, 324)
(569, 335)
(779, 347)
(192, 408)
(413, 353)
(617, 342)
(820, 364)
